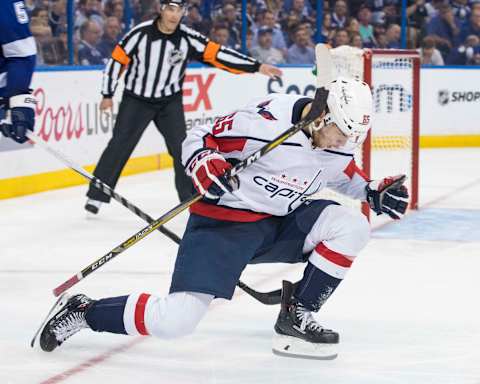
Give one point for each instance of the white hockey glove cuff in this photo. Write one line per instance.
(22, 101)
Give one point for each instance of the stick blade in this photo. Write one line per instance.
(324, 63)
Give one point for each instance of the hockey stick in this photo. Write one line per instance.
(318, 106)
(99, 184)
(321, 98)
(267, 298)
(264, 298)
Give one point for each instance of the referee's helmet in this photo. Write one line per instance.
(179, 3)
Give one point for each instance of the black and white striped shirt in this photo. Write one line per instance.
(155, 62)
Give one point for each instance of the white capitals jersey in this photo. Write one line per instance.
(283, 179)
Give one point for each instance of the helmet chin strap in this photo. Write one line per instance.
(325, 121)
(313, 128)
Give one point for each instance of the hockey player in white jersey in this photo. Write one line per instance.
(264, 215)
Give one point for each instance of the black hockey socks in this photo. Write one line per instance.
(315, 288)
(106, 315)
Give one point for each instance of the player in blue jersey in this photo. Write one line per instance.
(17, 61)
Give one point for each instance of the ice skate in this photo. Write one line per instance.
(297, 334)
(68, 318)
(93, 206)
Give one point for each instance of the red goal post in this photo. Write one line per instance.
(392, 146)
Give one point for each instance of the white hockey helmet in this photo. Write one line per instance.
(350, 106)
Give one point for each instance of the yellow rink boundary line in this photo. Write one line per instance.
(26, 185)
(449, 141)
(431, 141)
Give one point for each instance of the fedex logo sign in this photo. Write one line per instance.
(195, 91)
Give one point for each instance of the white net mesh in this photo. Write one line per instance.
(392, 87)
(392, 79)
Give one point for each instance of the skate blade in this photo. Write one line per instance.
(61, 301)
(288, 346)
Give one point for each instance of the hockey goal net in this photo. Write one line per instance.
(391, 147)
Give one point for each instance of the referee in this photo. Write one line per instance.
(154, 57)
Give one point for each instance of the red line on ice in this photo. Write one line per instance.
(92, 362)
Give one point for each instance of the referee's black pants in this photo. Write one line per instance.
(133, 117)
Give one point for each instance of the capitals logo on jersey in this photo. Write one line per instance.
(264, 112)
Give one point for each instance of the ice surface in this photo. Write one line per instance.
(407, 311)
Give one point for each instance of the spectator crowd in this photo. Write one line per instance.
(278, 31)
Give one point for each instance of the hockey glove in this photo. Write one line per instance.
(207, 170)
(22, 116)
(388, 196)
